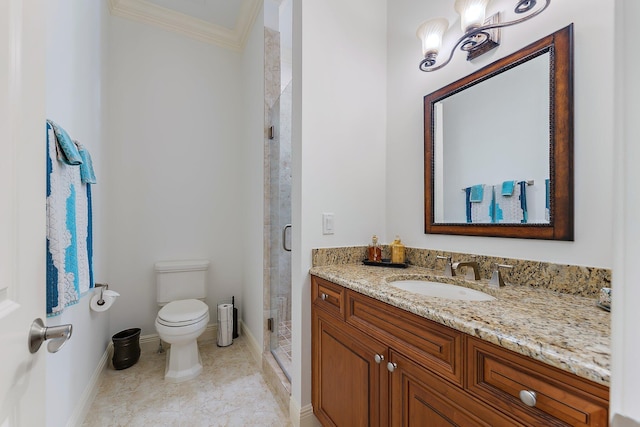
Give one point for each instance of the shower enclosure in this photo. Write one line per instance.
(279, 160)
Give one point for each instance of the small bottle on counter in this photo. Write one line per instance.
(374, 250)
(397, 251)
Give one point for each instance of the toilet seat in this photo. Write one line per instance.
(182, 313)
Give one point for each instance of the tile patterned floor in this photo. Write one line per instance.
(231, 391)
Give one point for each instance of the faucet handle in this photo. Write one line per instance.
(448, 271)
(496, 278)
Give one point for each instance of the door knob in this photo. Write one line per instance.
(379, 358)
(392, 366)
(38, 333)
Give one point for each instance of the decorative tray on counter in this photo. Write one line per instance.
(386, 262)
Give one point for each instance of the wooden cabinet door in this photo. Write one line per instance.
(348, 389)
(419, 398)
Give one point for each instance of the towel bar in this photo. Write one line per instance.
(529, 182)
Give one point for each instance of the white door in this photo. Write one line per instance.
(22, 210)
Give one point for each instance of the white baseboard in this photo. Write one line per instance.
(91, 390)
(302, 417)
(622, 421)
(254, 347)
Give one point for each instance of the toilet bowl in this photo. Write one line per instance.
(180, 323)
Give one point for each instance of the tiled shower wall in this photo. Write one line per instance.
(271, 94)
(281, 164)
(277, 202)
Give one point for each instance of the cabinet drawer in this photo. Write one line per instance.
(419, 398)
(434, 346)
(327, 296)
(497, 376)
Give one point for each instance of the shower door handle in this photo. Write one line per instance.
(284, 238)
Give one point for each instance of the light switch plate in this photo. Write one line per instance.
(327, 223)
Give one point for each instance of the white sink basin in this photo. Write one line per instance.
(441, 290)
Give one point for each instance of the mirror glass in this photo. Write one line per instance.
(496, 131)
(499, 147)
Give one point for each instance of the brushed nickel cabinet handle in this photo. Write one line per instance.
(528, 397)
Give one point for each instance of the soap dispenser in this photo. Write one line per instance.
(397, 251)
(374, 249)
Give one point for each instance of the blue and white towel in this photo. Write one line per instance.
(87, 175)
(508, 187)
(69, 224)
(66, 150)
(512, 208)
(481, 211)
(477, 193)
(547, 198)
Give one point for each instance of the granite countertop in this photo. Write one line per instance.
(566, 331)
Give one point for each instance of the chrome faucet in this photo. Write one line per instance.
(448, 271)
(472, 270)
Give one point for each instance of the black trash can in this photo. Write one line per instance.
(126, 348)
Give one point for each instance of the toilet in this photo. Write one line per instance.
(181, 288)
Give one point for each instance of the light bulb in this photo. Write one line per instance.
(430, 34)
(472, 13)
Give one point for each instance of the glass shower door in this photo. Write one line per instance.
(280, 229)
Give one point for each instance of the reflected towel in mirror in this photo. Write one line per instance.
(482, 211)
(477, 193)
(512, 209)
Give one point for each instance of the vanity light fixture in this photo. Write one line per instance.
(479, 35)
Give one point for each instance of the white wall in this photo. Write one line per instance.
(252, 166)
(593, 128)
(625, 394)
(339, 121)
(173, 152)
(75, 99)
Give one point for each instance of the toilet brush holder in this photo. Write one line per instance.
(126, 348)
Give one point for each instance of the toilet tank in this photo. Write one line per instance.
(181, 280)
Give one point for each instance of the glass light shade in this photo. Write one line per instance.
(472, 13)
(430, 34)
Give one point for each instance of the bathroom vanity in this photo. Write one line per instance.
(384, 356)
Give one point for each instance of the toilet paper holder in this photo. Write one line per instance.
(103, 287)
(103, 300)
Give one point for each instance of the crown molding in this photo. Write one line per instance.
(198, 29)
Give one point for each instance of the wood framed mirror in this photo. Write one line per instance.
(501, 132)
